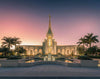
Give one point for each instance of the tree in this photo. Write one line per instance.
(98, 51)
(5, 51)
(1, 50)
(87, 41)
(81, 46)
(82, 41)
(16, 41)
(8, 42)
(81, 50)
(20, 50)
(92, 50)
(90, 38)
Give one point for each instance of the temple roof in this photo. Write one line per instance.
(49, 31)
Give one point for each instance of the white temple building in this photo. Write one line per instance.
(50, 46)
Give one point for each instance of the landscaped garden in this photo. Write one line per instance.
(87, 49)
(11, 48)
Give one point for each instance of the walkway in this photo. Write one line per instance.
(50, 70)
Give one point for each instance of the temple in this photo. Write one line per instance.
(50, 46)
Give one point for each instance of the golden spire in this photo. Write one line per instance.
(49, 29)
(49, 21)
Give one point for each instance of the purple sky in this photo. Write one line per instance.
(28, 19)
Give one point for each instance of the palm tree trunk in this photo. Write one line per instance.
(90, 45)
(9, 46)
(83, 44)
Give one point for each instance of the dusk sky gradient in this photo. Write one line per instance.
(28, 20)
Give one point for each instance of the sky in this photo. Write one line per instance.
(29, 20)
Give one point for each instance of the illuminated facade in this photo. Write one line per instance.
(50, 46)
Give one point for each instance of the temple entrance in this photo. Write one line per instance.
(49, 57)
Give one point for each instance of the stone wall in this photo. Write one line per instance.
(89, 63)
(10, 63)
(21, 63)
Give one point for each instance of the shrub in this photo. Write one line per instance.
(94, 57)
(61, 58)
(15, 57)
(84, 58)
(37, 58)
(3, 56)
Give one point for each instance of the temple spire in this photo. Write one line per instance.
(49, 29)
(49, 21)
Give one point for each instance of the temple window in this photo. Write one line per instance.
(40, 50)
(58, 50)
(63, 51)
(67, 51)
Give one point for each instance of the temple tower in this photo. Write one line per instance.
(49, 45)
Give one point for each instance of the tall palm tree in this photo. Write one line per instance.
(8, 42)
(16, 41)
(90, 38)
(82, 41)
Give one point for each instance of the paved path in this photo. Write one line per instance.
(50, 70)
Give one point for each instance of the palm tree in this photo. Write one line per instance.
(1, 50)
(90, 38)
(92, 50)
(8, 42)
(4, 51)
(16, 41)
(82, 41)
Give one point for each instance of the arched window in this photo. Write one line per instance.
(35, 50)
(40, 50)
(27, 50)
(58, 50)
(72, 52)
(30, 52)
(67, 51)
(63, 51)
